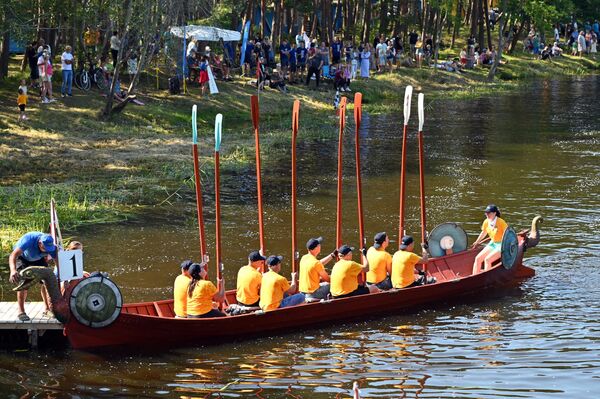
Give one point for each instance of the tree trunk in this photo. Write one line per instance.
(263, 9)
(480, 25)
(487, 23)
(383, 17)
(366, 33)
(5, 54)
(474, 16)
(275, 26)
(515, 38)
(494, 67)
(456, 23)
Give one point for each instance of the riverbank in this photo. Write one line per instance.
(107, 171)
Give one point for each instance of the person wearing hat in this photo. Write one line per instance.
(380, 263)
(403, 266)
(249, 279)
(494, 227)
(202, 292)
(32, 249)
(180, 288)
(275, 291)
(344, 275)
(314, 280)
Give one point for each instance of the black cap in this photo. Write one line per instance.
(313, 242)
(406, 241)
(274, 260)
(185, 265)
(255, 256)
(195, 269)
(380, 239)
(345, 250)
(492, 208)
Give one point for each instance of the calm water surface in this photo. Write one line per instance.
(534, 152)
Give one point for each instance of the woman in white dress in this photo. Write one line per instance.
(365, 61)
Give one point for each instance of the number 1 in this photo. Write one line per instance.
(74, 265)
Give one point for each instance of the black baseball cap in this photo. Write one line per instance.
(406, 241)
(255, 256)
(313, 243)
(380, 239)
(345, 250)
(274, 260)
(492, 208)
(185, 265)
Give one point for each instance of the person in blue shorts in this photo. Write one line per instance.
(284, 56)
(301, 56)
(293, 64)
(32, 249)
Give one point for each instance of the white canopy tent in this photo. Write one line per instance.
(205, 33)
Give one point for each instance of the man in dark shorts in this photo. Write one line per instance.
(315, 63)
(32, 249)
(301, 54)
(284, 56)
(344, 275)
(336, 51)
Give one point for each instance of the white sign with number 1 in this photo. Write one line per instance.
(70, 264)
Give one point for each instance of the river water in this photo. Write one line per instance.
(531, 152)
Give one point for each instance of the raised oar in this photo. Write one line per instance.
(218, 128)
(421, 101)
(338, 231)
(407, 100)
(357, 121)
(255, 118)
(295, 117)
(202, 236)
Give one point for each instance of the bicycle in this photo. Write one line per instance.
(84, 78)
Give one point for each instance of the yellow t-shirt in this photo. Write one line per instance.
(201, 301)
(379, 259)
(344, 277)
(180, 295)
(91, 37)
(403, 268)
(248, 285)
(272, 289)
(22, 99)
(310, 267)
(497, 232)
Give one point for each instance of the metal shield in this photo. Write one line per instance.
(447, 233)
(510, 248)
(96, 301)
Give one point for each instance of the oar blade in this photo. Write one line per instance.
(407, 102)
(357, 108)
(194, 125)
(295, 116)
(218, 129)
(421, 103)
(255, 111)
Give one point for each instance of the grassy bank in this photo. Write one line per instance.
(105, 171)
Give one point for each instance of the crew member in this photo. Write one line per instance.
(32, 249)
(344, 275)
(202, 293)
(314, 280)
(380, 263)
(403, 266)
(275, 290)
(180, 288)
(249, 279)
(494, 227)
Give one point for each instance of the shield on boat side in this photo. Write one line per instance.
(447, 236)
(96, 301)
(510, 248)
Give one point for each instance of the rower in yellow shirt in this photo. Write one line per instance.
(344, 275)
(403, 266)
(249, 279)
(314, 280)
(180, 288)
(494, 227)
(275, 290)
(380, 263)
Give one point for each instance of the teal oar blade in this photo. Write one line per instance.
(194, 126)
(218, 129)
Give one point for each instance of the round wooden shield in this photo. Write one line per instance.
(510, 248)
(96, 301)
(447, 236)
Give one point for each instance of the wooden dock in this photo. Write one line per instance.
(36, 327)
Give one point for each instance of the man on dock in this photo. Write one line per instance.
(32, 249)
(249, 279)
(380, 263)
(344, 275)
(314, 280)
(403, 266)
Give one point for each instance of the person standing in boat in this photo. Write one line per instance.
(403, 266)
(314, 280)
(180, 288)
(380, 263)
(344, 275)
(494, 227)
(32, 249)
(202, 293)
(275, 290)
(249, 279)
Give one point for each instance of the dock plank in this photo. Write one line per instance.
(9, 317)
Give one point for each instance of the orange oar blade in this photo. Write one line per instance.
(255, 111)
(358, 108)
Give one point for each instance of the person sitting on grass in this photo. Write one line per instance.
(403, 266)
(202, 293)
(341, 80)
(275, 290)
(276, 80)
(344, 275)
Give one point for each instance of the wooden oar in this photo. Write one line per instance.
(255, 119)
(357, 121)
(407, 100)
(218, 128)
(295, 121)
(421, 101)
(55, 233)
(202, 236)
(338, 232)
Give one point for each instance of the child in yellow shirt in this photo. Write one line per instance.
(22, 103)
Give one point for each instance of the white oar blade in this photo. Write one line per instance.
(218, 129)
(421, 103)
(407, 101)
(194, 126)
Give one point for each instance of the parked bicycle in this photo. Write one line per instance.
(84, 78)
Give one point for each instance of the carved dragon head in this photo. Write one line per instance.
(33, 275)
